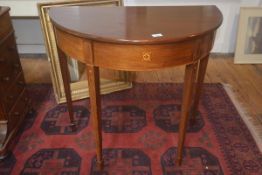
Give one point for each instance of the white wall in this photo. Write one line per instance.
(29, 36)
(226, 35)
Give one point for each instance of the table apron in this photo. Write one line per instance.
(131, 57)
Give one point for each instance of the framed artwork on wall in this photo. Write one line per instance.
(79, 83)
(249, 38)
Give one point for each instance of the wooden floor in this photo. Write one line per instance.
(246, 80)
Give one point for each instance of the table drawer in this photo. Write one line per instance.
(143, 57)
(18, 111)
(9, 58)
(11, 95)
(11, 50)
(5, 68)
(5, 25)
(7, 78)
(10, 65)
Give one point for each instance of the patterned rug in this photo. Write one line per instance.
(140, 131)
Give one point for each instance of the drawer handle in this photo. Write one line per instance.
(146, 56)
(6, 78)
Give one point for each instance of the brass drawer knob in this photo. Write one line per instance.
(146, 56)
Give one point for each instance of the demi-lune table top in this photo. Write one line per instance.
(137, 25)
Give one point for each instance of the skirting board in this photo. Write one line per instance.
(31, 49)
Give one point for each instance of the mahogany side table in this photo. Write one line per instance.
(137, 39)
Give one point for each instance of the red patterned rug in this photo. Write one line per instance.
(140, 128)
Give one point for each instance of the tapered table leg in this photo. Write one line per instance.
(94, 91)
(200, 79)
(190, 74)
(66, 81)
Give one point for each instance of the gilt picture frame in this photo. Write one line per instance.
(249, 37)
(79, 89)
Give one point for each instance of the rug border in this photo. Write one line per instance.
(245, 116)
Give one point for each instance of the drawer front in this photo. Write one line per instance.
(12, 94)
(5, 25)
(12, 53)
(10, 65)
(143, 57)
(16, 116)
(5, 67)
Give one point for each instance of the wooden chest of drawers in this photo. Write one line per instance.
(14, 103)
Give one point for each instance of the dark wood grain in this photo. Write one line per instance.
(135, 25)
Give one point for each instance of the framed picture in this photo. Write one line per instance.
(79, 83)
(249, 38)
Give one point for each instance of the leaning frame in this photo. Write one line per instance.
(244, 29)
(79, 90)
